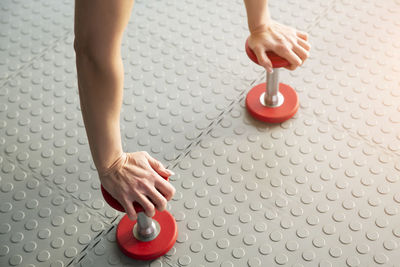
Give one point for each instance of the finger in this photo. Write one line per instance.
(158, 167)
(306, 45)
(157, 199)
(291, 67)
(289, 55)
(302, 35)
(146, 205)
(130, 211)
(165, 188)
(262, 58)
(301, 53)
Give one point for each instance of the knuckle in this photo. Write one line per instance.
(281, 47)
(170, 192)
(127, 207)
(157, 163)
(295, 64)
(278, 37)
(125, 192)
(259, 51)
(257, 47)
(132, 216)
(263, 62)
(147, 206)
(144, 185)
(140, 187)
(149, 209)
(154, 177)
(162, 203)
(293, 40)
(132, 197)
(261, 56)
(141, 163)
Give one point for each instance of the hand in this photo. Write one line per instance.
(283, 41)
(138, 177)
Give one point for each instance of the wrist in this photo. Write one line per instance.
(105, 156)
(259, 21)
(262, 27)
(115, 165)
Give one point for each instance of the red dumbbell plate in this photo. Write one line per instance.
(277, 61)
(115, 204)
(135, 248)
(149, 250)
(279, 114)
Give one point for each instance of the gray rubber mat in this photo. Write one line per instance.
(318, 190)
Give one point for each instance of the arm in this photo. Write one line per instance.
(268, 35)
(257, 14)
(128, 177)
(100, 76)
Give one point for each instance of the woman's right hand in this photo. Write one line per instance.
(138, 177)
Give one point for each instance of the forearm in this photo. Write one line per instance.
(99, 26)
(100, 91)
(257, 14)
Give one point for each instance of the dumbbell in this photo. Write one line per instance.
(145, 238)
(271, 102)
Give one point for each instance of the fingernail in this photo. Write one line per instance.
(171, 172)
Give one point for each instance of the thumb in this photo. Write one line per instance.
(159, 167)
(263, 59)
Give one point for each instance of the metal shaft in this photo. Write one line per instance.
(271, 96)
(146, 227)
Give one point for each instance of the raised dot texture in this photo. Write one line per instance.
(320, 189)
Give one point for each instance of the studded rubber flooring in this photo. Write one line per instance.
(321, 189)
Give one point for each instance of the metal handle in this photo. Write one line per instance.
(271, 96)
(146, 229)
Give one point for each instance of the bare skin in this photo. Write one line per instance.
(99, 26)
(268, 35)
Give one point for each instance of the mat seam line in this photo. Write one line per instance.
(14, 74)
(189, 148)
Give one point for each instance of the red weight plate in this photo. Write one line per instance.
(149, 250)
(270, 114)
(277, 61)
(116, 205)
